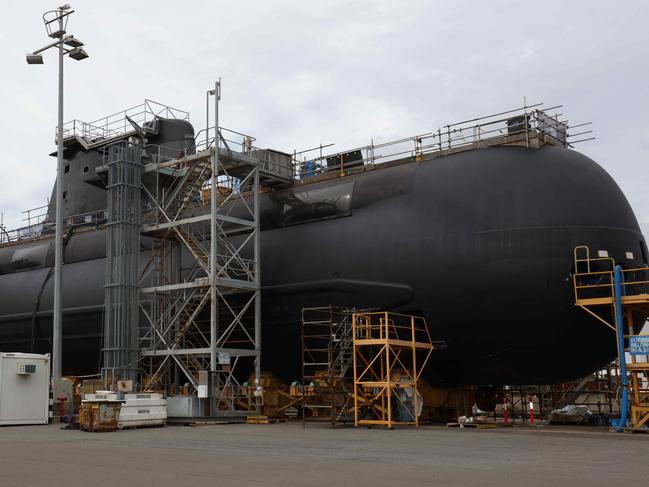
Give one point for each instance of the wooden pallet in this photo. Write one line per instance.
(204, 421)
(472, 425)
(263, 420)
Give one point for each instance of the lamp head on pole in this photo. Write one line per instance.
(78, 54)
(72, 41)
(34, 58)
(56, 22)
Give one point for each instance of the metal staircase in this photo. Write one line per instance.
(187, 188)
(204, 322)
(343, 350)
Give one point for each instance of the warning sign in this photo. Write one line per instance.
(639, 344)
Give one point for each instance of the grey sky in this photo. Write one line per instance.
(303, 72)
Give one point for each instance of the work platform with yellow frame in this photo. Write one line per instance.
(619, 298)
(390, 351)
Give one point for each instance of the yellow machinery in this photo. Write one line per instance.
(390, 350)
(275, 398)
(595, 281)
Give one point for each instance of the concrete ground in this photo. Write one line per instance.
(288, 455)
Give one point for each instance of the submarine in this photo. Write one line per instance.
(479, 241)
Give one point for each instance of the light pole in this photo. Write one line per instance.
(56, 22)
(214, 303)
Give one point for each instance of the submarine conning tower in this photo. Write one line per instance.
(85, 142)
(307, 228)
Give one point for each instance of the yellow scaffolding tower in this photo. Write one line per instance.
(594, 290)
(390, 351)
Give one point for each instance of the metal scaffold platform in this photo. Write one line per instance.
(390, 351)
(192, 217)
(327, 363)
(619, 299)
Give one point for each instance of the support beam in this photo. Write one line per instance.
(197, 219)
(234, 352)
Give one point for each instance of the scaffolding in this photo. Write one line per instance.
(202, 315)
(619, 299)
(327, 363)
(120, 347)
(390, 351)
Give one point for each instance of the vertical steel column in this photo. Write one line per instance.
(618, 292)
(356, 388)
(214, 310)
(257, 254)
(57, 348)
(207, 119)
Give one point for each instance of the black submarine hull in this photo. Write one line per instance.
(479, 242)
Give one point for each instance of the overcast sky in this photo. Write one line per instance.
(299, 73)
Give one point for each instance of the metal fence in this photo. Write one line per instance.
(45, 226)
(527, 121)
(118, 123)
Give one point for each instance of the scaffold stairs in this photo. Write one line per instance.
(343, 349)
(188, 187)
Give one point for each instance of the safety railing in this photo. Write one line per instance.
(525, 122)
(228, 139)
(47, 227)
(593, 277)
(33, 218)
(382, 325)
(242, 145)
(118, 123)
(36, 215)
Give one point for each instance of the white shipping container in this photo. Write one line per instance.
(24, 388)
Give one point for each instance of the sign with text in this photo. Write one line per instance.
(639, 344)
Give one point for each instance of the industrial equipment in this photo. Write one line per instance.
(142, 409)
(24, 388)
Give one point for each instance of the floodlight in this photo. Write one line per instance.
(72, 41)
(78, 54)
(34, 58)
